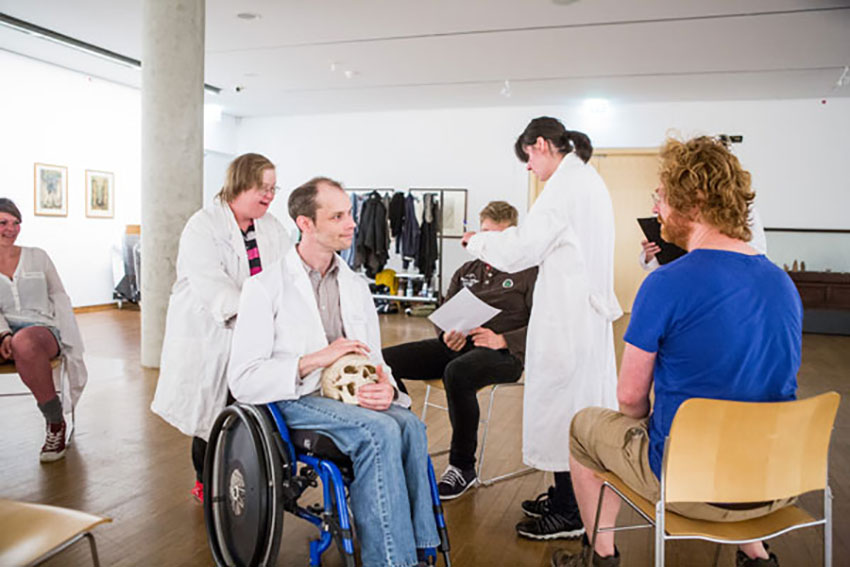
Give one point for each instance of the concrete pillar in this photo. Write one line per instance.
(172, 150)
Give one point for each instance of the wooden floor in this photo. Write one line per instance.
(127, 464)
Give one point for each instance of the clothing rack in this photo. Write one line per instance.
(440, 196)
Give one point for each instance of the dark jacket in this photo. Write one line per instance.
(409, 231)
(372, 238)
(512, 293)
(429, 251)
(396, 215)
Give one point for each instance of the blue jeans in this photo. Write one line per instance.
(390, 494)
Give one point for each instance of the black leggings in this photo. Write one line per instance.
(463, 374)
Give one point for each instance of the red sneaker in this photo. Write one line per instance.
(198, 491)
(54, 443)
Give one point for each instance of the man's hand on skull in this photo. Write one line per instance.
(377, 396)
(454, 340)
(482, 337)
(338, 348)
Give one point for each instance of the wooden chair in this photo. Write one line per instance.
(438, 384)
(737, 452)
(31, 534)
(57, 364)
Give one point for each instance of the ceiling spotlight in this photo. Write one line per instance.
(506, 89)
(248, 16)
(333, 66)
(349, 74)
(564, 2)
(596, 105)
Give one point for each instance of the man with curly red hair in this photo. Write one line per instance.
(720, 322)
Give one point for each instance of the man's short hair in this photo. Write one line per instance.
(499, 212)
(702, 175)
(302, 201)
(243, 173)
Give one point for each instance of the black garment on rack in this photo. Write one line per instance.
(429, 250)
(409, 232)
(372, 250)
(396, 214)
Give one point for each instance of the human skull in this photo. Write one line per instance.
(341, 379)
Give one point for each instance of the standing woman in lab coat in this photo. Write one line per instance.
(221, 246)
(570, 364)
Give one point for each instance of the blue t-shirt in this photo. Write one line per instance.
(725, 326)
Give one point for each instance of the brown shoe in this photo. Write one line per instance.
(54, 442)
(563, 558)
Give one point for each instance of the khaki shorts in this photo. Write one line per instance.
(605, 440)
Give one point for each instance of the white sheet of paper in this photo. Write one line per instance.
(463, 312)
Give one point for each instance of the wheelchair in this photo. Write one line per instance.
(256, 469)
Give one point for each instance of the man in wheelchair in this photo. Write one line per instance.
(298, 317)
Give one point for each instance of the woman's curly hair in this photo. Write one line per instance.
(702, 175)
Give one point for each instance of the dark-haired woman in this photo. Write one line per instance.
(37, 324)
(570, 364)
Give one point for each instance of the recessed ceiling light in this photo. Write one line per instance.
(248, 16)
(564, 2)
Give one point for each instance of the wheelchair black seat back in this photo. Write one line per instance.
(256, 469)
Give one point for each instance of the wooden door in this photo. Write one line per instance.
(631, 176)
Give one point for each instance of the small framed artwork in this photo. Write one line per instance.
(100, 194)
(50, 190)
(454, 212)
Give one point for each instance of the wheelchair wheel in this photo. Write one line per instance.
(243, 478)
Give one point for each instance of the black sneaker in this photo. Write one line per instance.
(551, 526)
(455, 482)
(742, 560)
(540, 506)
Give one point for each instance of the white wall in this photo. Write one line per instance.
(54, 116)
(795, 149)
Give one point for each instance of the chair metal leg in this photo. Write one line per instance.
(484, 433)
(589, 559)
(425, 403)
(94, 558)
(659, 533)
(493, 480)
(827, 527)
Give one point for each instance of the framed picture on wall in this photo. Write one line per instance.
(50, 190)
(454, 212)
(100, 194)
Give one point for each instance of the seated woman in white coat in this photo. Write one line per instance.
(222, 245)
(569, 360)
(37, 324)
(297, 318)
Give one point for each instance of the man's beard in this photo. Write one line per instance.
(676, 229)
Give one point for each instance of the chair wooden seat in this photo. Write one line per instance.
(32, 533)
(676, 525)
(8, 367)
(737, 452)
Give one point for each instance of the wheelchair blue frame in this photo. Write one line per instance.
(332, 519)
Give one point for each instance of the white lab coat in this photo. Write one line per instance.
(758, 240)
(570, 362)
(279, 322)
(212, 265)
(36, 295)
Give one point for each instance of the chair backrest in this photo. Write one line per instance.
(735, 452)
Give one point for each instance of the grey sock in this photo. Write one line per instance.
(52, 410)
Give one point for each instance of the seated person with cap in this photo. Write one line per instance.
(299, 316)
(491, 354)
(721, 322)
